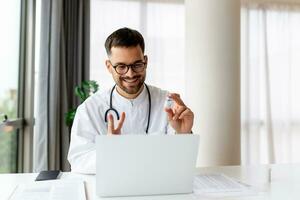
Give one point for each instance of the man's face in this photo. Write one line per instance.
(130, 82)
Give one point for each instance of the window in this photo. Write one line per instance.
(162, 25)
(9, 73)
(270, 83)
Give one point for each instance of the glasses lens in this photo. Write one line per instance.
(138, 67)
(122, 69)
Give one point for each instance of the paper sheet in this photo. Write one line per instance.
(50, 190)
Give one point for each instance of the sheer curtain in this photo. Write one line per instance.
(270, 83)
(162, 24)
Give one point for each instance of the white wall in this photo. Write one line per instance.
(213, 78)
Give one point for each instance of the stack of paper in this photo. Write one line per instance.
(50, 190)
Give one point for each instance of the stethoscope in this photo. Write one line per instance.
(116, 112)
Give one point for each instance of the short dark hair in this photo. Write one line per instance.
(124, 37)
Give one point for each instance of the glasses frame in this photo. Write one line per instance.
(129, 66)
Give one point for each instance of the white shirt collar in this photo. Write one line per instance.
(133, 102)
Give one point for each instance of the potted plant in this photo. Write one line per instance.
(83, 91)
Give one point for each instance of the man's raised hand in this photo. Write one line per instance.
(111, 130)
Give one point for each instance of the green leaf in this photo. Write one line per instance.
(69, 116)
(83, 91)
(80, 93)
(85, 85)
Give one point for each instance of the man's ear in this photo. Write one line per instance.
(108, 66)
(146, 59)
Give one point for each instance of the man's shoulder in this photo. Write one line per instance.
(157, 92)
(98, 98)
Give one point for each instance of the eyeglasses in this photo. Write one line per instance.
(123, 68)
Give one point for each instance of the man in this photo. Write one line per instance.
(141, 106)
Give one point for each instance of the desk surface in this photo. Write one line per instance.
(285, 182)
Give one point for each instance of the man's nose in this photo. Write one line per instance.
(130, 72)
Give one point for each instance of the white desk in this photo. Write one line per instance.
(285, 182)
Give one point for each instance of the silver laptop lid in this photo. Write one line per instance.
(145, 164)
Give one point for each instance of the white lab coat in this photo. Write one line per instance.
(89, 122)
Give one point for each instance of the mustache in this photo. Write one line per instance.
(130, 78)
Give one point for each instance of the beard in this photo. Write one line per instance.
(131, 85)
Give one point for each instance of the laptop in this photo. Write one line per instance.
(134, 165)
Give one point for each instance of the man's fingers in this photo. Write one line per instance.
(177, 99)
(110, 126)
(178, 112)
(170, 113)
(121, 121)
(187, 111)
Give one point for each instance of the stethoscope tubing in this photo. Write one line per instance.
(117, 113)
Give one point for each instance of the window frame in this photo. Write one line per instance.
(22, 124)
(25, 121)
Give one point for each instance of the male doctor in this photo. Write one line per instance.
(140, 106)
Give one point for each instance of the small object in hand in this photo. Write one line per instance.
(168, 102)
(48, 175)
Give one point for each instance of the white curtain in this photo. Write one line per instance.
(270, 39)
(161, 22)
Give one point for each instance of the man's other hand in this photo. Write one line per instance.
(111, 130)
(180, 117)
